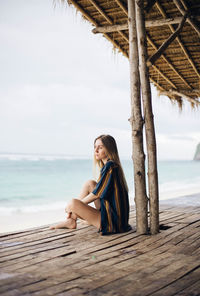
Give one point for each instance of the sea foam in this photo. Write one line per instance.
(38, 157)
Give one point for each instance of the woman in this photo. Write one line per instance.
(109, 194)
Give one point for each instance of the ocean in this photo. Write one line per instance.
(32, 183)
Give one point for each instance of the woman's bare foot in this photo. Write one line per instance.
(69, 224)
(83, 222)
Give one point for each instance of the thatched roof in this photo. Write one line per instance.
(176, 72)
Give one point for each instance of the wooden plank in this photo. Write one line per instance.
(192, 290)
(182, 284)
(81, 254)
(169, 261)
(9, 248)
(110, 245)
(133, 284)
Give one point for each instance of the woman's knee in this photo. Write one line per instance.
(92, 184)
(73, 204)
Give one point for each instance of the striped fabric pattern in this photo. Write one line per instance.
(113, 199)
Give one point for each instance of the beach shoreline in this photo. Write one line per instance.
(18, 221)
(22, 221)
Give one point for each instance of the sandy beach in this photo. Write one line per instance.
(20, 221)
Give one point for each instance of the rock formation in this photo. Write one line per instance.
(197, 153)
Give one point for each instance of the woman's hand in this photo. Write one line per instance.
(69, 215)
(68, 212)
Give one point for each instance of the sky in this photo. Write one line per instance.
(61, 86)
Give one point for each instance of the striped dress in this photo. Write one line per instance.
(113, 199)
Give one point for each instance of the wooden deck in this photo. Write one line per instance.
(82, 262)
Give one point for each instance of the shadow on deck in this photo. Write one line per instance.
(82, 262)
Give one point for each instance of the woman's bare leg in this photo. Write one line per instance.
(87, 188)
(69, 223)
(85, 212)
(82, 211)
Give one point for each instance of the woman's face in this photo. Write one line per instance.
(100, 151)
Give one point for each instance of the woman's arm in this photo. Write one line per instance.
(89, 198)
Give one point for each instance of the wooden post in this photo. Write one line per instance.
(148, 117)
(136, 121)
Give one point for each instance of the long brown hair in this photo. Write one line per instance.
(112, 152)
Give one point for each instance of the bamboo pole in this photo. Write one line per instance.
(186, 53)
(168, 62)
(164, 46)
(136, 121)
(149, 5)
(148, 24)
(148, 116)
(108, 19)
(181, 8)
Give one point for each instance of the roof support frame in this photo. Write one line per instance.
(163, 13)
(148, 24)
(192, 91)
(121, 5)
(107, 17)
(77, 6)
(150, 4)
(115, 28)
(164, 76)
(164, 46)
(155, 68)
(168, 62)
(125, 51)
(181, 8)
(181, 94)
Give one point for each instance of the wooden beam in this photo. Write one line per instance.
(87, 16)
(168, 62)
(159, 7)
(110, 29)
(181, 8)
(164, 46)
(190, 91)
(180, 94)
(166, 21)
(148, 117)
(136, 121)
(90, 19)
(148, 24)
(122, 6)
(150, 4)
(100, 10)
(164, 76)
(157, 85)
(109, 20)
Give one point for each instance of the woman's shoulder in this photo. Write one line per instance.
(109, 164)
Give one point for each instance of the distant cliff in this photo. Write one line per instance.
(197, 153)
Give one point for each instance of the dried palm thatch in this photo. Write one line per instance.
(173, 40)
